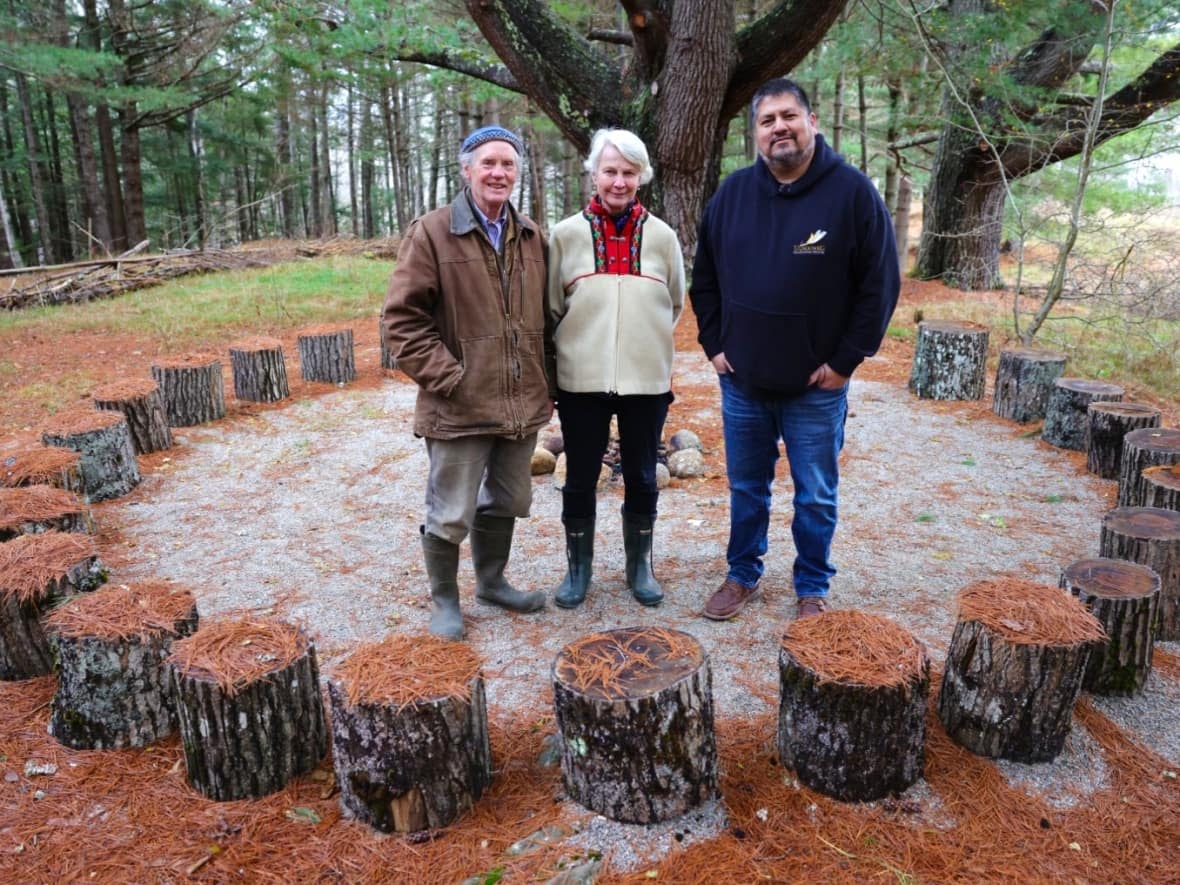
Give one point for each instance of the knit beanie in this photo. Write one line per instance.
(491, 133)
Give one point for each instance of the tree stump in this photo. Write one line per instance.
(326, 354)
(1014, 669)
(950, 360)
(1143, 448)
(1150, 537)
(42, 465)
(388, 357)
(113, 689)
(260, 375)
(1024, 380)
(37, 572)
(1106, 425)
(635, 714)
(1125, 598)
(140, 403)
(852, 711)
(192, 388)
(102, 440)
(1065, 415)
(249, 707)
(30, 510)
(409, 733)
(1160, 487)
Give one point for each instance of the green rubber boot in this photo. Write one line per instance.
(491, 543)
(637, 535)
(442, 567)
(579, 554)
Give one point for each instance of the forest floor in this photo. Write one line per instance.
(308, 510)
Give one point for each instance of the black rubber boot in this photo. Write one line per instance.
(579, 555)
(491, 543)
(637, 534)
(442, 567)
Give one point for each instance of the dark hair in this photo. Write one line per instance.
(779, 86)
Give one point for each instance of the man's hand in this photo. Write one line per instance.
(827, 378)
(721, 364)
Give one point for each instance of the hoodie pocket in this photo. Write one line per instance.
(768, 350)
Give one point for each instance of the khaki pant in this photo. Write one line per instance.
(490, 475)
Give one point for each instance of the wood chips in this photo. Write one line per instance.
(1029, 613)
(41, 465)
(627, 663)
(235, 653)
(121, 611)
(28, 564)
(401, 670)
(36, 504)
(856, 648)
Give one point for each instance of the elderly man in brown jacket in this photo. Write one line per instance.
(465, 319)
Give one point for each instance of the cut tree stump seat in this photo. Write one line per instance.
(1149, 536)
(410, 733)
(29, 510)
(102, 440)
(260, 375)
(326, 353)
(1014, 669)
(852, 712)
(192, 388)
(1024, 380)
(38, 572)
(1106, 425)
(1065, 415)
(140, 402)
(634, 710)
(42, 465)
(1143, 448)
(113, 688)
(1161, 486)
(950, 360)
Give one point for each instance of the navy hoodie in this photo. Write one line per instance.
(790, 276)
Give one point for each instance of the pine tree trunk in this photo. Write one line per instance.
(36, 177)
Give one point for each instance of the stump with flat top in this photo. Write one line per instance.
(102, 440)
(1125, 598)
(388, 357)
(1065, 415)
(950, 360)
(248, 706)
(113, 688)
(409, 733)
(1106, 425)
(29, 510)
(635, 715)
(1143, 448)
(139, 401)
(326, 354)
(42, 465)
(38, 572)
(260, 375)
(1024, 380)
(1160, 487)
(1151, 537)
(1014, 669)
(852, 711)
(192, 388)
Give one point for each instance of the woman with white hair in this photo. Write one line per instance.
(616, 289)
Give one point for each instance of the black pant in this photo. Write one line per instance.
(585, 430)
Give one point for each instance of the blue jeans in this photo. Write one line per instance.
(811, 427)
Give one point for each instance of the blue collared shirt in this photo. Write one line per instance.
(494, 229)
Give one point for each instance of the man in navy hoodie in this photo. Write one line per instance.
(795, 279)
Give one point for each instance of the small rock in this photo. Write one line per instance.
(684, 439)
(686, 463)
(40, 794)
(544, 461)
(579, 874)
(551, 441)
(550, 751)
(33, 768)
(663, 477)
(11, 777)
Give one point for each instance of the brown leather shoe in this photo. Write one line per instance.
(809, 607)
(728, 600)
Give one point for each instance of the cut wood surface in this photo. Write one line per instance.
(1143, 448)
(1151, 537)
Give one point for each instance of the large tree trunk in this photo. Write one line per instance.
(113, 191)
(133, 204)
(36, 172)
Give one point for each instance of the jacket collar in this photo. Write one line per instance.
(464, 220)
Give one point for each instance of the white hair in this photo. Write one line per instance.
(629, 145)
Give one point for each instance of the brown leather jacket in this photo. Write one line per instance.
(468, 325)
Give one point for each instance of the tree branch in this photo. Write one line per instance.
(495, 74)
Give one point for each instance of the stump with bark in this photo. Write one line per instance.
(1160, 487)
(30, 510)
(409, 733)
(1024, 380)
(1143, 448)
(635, 714)
(192, 388)
(1014, 669)
(1125, 598)
(42, 465)
(102, 440)
(1106, 425)
(141, 404)
(1151, 537)
(852, 712)
(326, 354)
(38, 572)
(110, 646)
(1065, 415)
(950, 360)
(388, 357)
(249, 707)
(260, 375)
